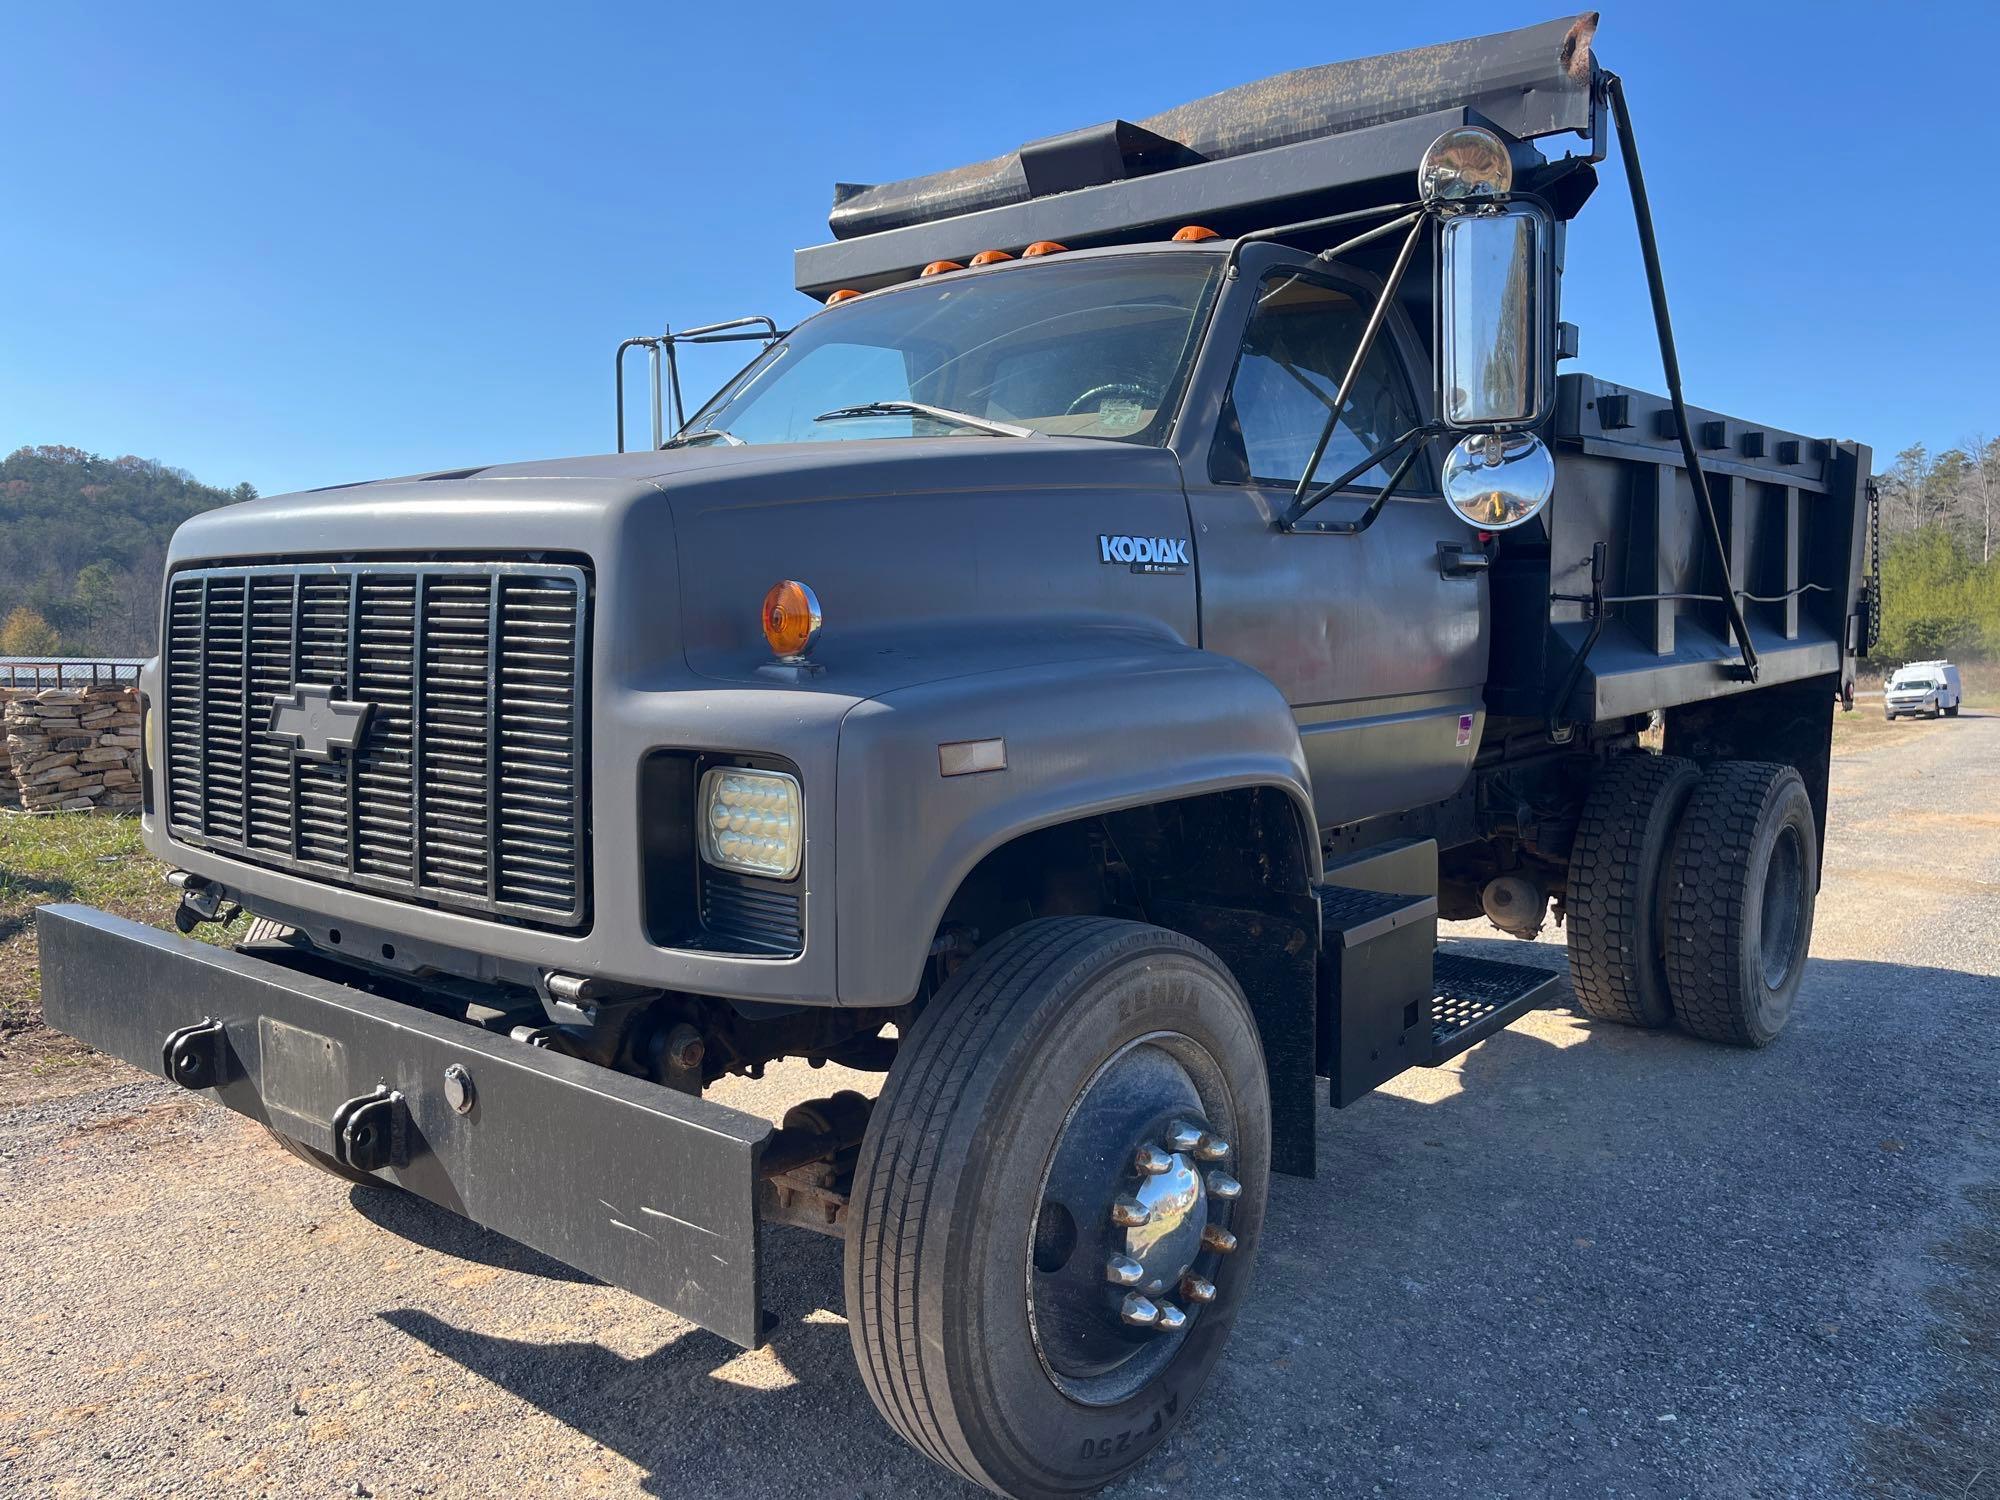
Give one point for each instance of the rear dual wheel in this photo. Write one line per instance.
(1057, 1204)
(1615, 912)
(1741, 889)
(1691, 896)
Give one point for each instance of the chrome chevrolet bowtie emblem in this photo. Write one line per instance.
(318, 723)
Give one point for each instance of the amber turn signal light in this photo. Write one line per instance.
(939, 267)
(1189, 233)
(842, 295)
(791, 619)
(1045, 247)
(990, 257)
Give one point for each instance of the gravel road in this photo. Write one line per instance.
(1578, 1261)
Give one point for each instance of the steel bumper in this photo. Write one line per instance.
(648, 1189)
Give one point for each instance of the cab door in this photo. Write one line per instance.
(1378, 643)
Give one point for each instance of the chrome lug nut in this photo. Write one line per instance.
(1130, 1213)
(1197, 1290)
(1122, 1270)
(1218, 1239)
(1152, 1161)
(1171, 1319)
(1222, 1185)
(1184, 1135)
(1212, 1148)
(1139, 1311)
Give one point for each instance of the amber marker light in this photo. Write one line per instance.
(1188, 234)
(791, 620)
(1044, 247)
(846, 293)
(990, 257)
(939, 267)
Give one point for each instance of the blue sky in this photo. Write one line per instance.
(300, 245)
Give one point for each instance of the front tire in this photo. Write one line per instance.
(313, 1157)
(1036, 1102)
(1741, 891)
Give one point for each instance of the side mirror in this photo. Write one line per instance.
(1496, 334)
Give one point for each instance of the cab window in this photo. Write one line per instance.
(1297, 348)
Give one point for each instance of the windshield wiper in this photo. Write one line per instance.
(923, 409)
(728, 439)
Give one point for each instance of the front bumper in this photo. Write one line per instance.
(648, 1189)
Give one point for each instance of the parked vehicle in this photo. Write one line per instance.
(1071, 673)
(1930, 688)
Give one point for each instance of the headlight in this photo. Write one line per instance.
(751, 821)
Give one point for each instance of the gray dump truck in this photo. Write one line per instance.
(1071, 674)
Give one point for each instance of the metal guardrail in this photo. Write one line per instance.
(77, 671)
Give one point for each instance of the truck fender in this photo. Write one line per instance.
(1146, 723)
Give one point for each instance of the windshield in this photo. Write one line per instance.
(1094, 348)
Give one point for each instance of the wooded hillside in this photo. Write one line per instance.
(83, 541)
(1941, 553)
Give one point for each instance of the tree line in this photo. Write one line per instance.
(1941, 553)
(83, 546)
(83, 543)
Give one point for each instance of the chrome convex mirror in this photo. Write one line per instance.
(1498, 480)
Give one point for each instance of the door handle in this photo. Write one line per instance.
(1456, 560)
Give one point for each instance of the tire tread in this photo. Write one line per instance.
(1619, 843)
(1707, 906)
(914, 1113)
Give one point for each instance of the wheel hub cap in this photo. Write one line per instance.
(1130, 1242)
(1166, 1241)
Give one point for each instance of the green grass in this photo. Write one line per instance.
(83, 857)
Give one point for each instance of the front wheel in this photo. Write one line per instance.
(1057, 1205)
(312, 1156)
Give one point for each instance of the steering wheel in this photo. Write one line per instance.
(1097, 393)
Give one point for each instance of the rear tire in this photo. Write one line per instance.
(968, 1274)
(1615, 907)
(1741, 891)
(1952, 712)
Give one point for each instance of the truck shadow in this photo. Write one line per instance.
(1603, 1258)
(409, 1217)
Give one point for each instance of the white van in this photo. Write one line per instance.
(1923, 687)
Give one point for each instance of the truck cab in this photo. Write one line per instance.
(1070, 674)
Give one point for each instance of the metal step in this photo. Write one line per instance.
(1475, 997)
(1374, 987)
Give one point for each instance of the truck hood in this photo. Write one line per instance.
(915, 547)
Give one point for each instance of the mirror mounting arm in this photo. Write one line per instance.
(1413, 441)
(1362, 349)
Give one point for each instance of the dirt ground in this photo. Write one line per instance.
(1577, 1261)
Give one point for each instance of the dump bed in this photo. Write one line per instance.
(1314, 141)
(1621, 574)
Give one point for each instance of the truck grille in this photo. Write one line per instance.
(465, 788)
